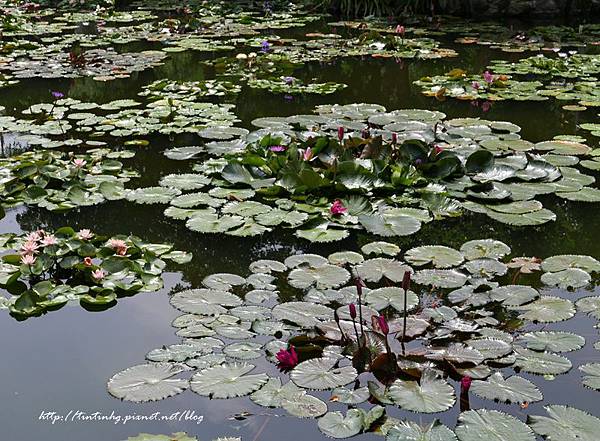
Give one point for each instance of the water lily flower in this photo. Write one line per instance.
(465, 384)
(119, 246)
(418, 162)
(289, 80)
(383, 325)
(28, 259)
(488, 77)
(34, 236)
(437, 149)
(337, 208)
(241, 57)
(49, 239)
(85, 234)
(475, 85)
(265, 46)
(57, 95)
(278, 148)
(287, 360)
(308, 154)
(29, 247)
(87, 261)
(485, 107)
(341, 133)
(79, 163)
(352, 308)
(400, 30)
(365, 133)
(98, 274)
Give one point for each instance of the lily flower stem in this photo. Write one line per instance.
(356, 332)
(404, 324)
(360, 315)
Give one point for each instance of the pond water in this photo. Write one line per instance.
(62, 360)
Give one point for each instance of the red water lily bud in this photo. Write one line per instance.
(383, 325)
(406, 281)
(465, 384)
(340, 133)
(352, 308)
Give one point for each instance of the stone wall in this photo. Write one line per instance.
(520, 8)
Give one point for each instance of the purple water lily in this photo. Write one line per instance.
(265, 46)
(278, 148)
(57, 95)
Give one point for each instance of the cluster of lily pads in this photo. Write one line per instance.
(61, 181)
(350, 325)
(42, 270)
(69, 120)
(359, 167)
(177, 436)
(569, 78)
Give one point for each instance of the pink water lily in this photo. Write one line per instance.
(98, 274)
(85, 234)
(308, 154)
(28, 259)
(437, 149)
(49, 239)
(29, 247)
(119, 246)
(87, 261)
(79, 163)
(488, 77)
(486, 106)
(287, 360)
(337, 208)
(34, 236)
(278, 148)
(400, 30)
(475, 85)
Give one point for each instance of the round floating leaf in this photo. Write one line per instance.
(592, 379)
(379, 248)
(510, 390)
(153, 195)
(148, 382)
(302, 313)
(440, 278)
(243, 350)
(390, 225)
(343, 257)
(186, 181)
(553, 341)
(430, 395)
(320, 374)
(373, 270)
(382, 298)
(484, 249)
(336, 425)
(541, 363)
(589, 305)
(227, 381)
(325, 276)
(439, 256)
(267, 266)
(547, 309)
(534, 218)
(350, 396)
(204, 301)
(586, 194)
(565, 424)
(569, 278)
(223, 281)
(411, 431)
(566, 261)
(491, 425)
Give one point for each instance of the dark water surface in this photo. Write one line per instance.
(62, 360)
